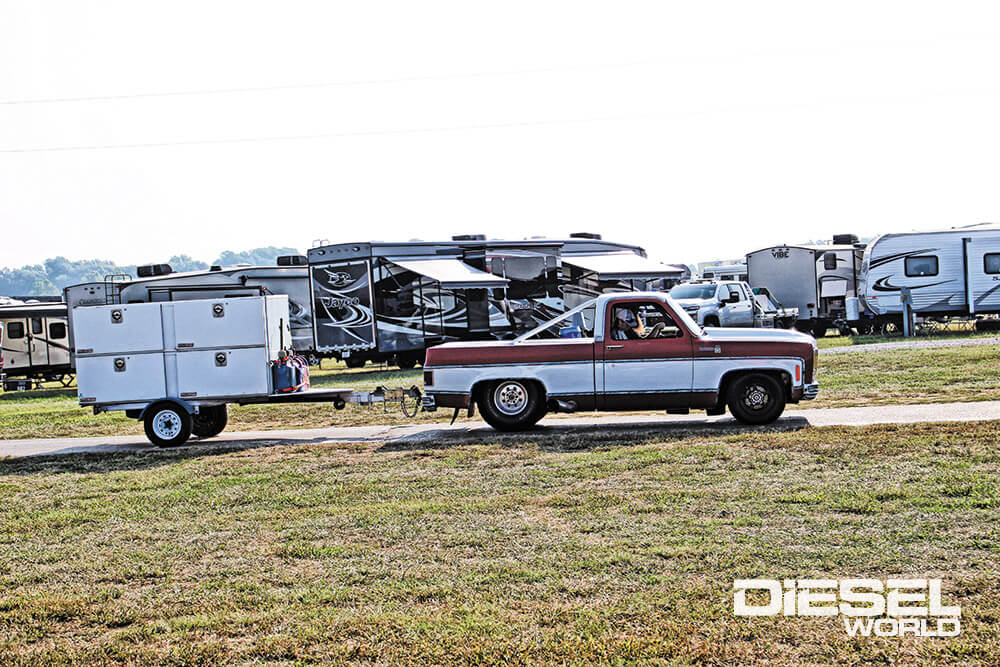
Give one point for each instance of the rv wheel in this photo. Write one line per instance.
(210, 421)
(407, 361)
(819, 330)
(354, 362)
(167, 424)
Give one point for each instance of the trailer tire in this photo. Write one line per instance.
(512, 405)
(210, 421)
(167, 424)
(819, 330)
(354, 362)
(407, 361)
(756, 398)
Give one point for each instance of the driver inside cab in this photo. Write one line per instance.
(629, 325)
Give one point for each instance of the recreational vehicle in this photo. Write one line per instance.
(950, 272)
(157, 283)
(723, 270)
(821, 281)
(35, 344)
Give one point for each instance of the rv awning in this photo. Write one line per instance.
(622, 266)
(450, 272)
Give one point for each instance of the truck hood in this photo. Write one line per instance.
(777, 335)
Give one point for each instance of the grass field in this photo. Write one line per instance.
(862, 378)
(514, 550)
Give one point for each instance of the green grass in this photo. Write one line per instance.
(862, 378)
(605, 549)
(836, 340)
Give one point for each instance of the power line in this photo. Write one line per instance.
(324, 84)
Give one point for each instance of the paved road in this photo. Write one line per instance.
(913, 344)
(429, 434)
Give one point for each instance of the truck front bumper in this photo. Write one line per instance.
(810, 391)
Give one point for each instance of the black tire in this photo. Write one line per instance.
(512, 405)
(819, 330)
(711, 321)
(354, 362)
(210, 421)
(407, 361)
(756, 398)
(167, 424)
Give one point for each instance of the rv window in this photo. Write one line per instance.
(57, 330)
(830, 261)
(991, 262)
(923, 265)
(15, 330)
(36, 325)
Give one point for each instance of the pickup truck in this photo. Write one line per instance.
(623, 351)
(730, 303)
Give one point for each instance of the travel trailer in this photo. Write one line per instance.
(821, 281)
(157, 283)
(35, 343)
(724, 270)
(949, 272)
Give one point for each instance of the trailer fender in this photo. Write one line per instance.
(141, 414)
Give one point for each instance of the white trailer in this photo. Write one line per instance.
(35, 345)
(821, 281)
(950, 272)
(177, 365)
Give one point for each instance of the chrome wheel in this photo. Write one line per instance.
(756, 397)
(510, 398)
(167, 424)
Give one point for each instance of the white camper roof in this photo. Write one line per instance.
(450, 272)
(622, 265)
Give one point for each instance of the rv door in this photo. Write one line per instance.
(983, 275)
(37, 344)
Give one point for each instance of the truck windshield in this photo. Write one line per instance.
(693, 291)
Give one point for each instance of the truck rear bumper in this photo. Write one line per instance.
(810, 391)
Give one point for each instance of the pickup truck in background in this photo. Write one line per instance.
(623, 351)
(730, 303)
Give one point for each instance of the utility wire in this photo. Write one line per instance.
(326, 84)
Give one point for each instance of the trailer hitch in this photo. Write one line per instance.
(388, 395)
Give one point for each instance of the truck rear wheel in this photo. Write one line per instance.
(511, 405)
(167, 424)
(210, 421)
(756, 398)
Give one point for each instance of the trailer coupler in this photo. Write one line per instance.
(387, 396)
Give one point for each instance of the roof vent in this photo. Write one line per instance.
(215, 267)
(585, 235)
(845, 239)
(469, 237)
(292, 260)
(151, 270)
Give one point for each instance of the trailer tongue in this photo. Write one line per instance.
(176, 366)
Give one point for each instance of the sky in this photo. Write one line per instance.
(136, 130)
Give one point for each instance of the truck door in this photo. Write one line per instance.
(646, 361)
(737, 310)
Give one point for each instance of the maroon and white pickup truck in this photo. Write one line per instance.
(632, 351)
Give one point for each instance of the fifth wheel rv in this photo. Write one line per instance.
(950, 272)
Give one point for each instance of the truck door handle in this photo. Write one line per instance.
(613, 347)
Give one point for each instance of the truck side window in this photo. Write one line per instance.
(15, 330)
(643, 321)
(991, 263)
(920, 265)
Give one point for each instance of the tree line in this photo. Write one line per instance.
(51, 276)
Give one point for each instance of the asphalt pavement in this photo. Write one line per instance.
(471, 432)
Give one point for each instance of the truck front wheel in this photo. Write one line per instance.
(210, 421)
(511, 405)
(167, 424)
(711, 321)
(756, 398)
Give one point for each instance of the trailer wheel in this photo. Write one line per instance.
(511, 405)
(756, 398)
(354, 362)
(819, 330)
(407, 361)
(210, 421)
(167, 424)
